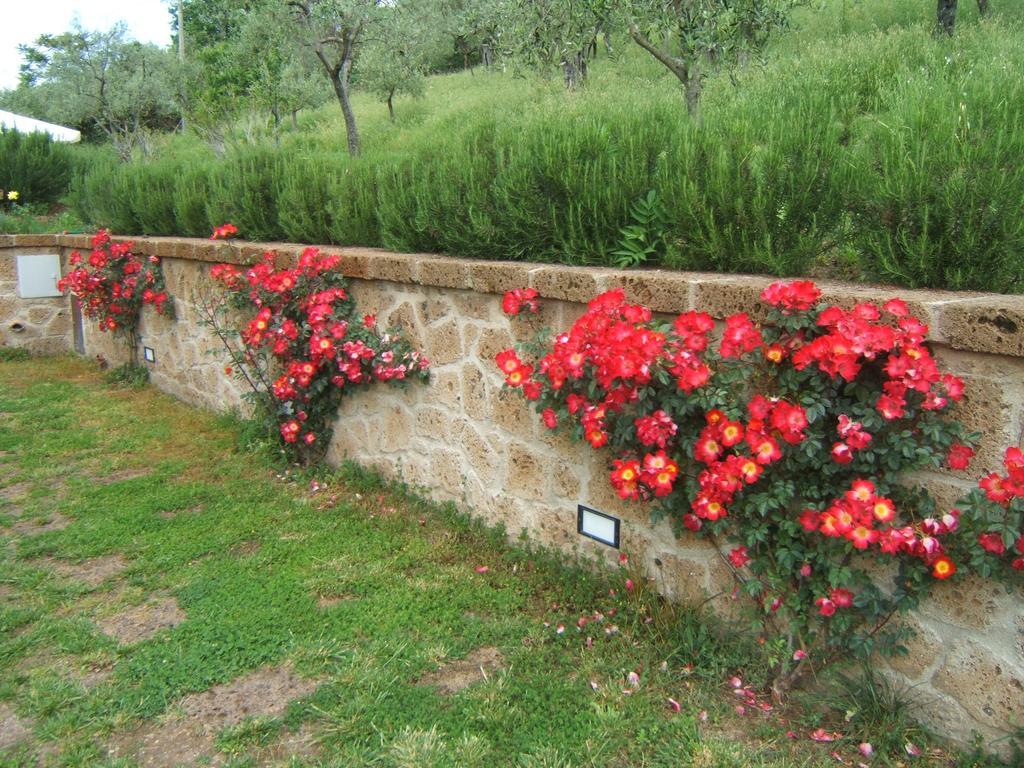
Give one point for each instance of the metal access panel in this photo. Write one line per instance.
(38, 275)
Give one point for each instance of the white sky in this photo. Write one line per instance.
(22, 21)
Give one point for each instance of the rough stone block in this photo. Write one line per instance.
(446, 388)
(476, 306)
(556, 527)
(444, 343)
(404, 317)
(511, 412)
(442, 272)
(446, 471)
(498, 276)
(669, 292)
(924, 651)
(527, 472)
(970, 602)
(476, 400)
(396, 426)
(490, 343)
(990, 689)
(435, 307)
(577, 284)
(992, 324)
(526, 325)
(354, 263)
(8, 270)
(481, 456)
(32, 241)
(724, 296)
(393, 267)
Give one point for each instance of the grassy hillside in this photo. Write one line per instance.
(863, 146)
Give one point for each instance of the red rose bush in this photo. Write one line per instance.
(788, 439)
(112, 284)
(301, 347)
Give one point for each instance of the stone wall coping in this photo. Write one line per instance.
(969, 321)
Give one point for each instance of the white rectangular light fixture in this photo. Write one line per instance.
(597, 525)
(149, 354)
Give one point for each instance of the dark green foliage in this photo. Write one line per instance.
(242, 191)
(846, 155)
(34, 165)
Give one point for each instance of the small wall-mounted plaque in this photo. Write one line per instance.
(597, 525)
(149, 354)
(38, 275)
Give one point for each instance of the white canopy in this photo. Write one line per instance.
(23, 124)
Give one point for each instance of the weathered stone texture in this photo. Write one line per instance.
(43, 325)
(466, 438)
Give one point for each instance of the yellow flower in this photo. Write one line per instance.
(12, 195)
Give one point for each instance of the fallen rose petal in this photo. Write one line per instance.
(560, 629)
(594, 685)
(912, 749)
(799, 654)
(740, 709)
(703, 715)
(482, 569)
(674, 705)
(790, 734)
(634, 679)
(735, 682)
(866, 749)
(820, 734)
(838, 757)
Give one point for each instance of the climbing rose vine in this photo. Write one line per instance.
(112, 285)
(785, 444)
(300, 346)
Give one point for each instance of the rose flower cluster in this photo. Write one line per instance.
(303, 342)
(113, 284)
(787, 437)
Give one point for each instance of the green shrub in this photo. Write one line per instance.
(936, 182)
(191, 193)
(846, 154)
(34, 165)
(242, 190)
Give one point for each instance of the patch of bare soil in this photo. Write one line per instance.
(169, 745)
(13, 729)
(26, 528)
(184, 740)
(121, 474)
(170, 514)
(140, 622)
(93, 571)
(327, 601)
(245, 548)
(15, 491)
(462, 673)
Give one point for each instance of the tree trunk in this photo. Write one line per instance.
(391, 108)
(574, 69)
(692, 88)
(946, 14)
(487, 55)
(295, 119)
(340, 81)
(982, 7)
(686, 71)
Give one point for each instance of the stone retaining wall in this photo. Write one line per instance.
(463, 438)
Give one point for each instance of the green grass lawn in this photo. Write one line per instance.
(169, 596)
